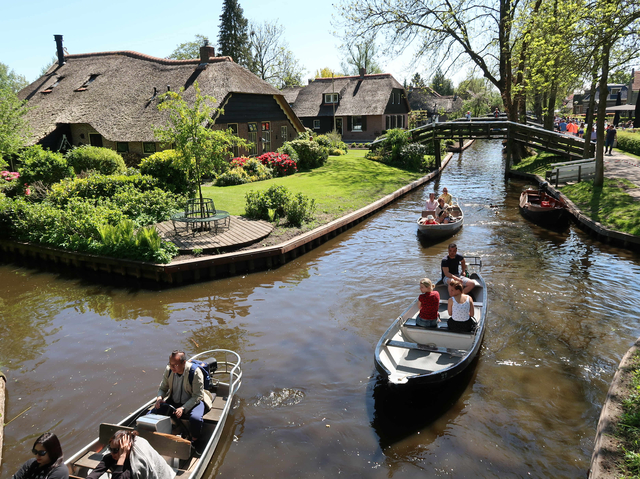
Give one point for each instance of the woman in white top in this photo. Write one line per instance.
(431, 203)
(460, 308)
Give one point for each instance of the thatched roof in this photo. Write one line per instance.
(119, 103)
(291, 93)
(367, 95)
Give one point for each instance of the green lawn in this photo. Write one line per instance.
(609, 205)
(344, 184)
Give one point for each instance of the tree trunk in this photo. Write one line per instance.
(551, 107)
(588, 149)
(537, 106)
(602, 112)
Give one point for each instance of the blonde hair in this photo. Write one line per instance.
(427, 282)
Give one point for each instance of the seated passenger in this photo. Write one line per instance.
(429, 220)
(431, 203)
(442, 211)
(448, 199)
(48, 461)
(451, 270)
(429, 304)
(131, 456)
(460, 309)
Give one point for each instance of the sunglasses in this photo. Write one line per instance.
(39, 453)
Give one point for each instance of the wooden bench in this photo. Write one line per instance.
(423, 347)
(571, 171)
(215, 413)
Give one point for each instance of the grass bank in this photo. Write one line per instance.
(344, 184)
(610, 205)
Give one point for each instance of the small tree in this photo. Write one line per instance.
(189, 50)
(189, 128)
(13, 126)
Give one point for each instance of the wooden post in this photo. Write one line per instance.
(3, 419)
(438, 154)
(507, 163)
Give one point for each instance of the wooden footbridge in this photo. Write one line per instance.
(536, 137)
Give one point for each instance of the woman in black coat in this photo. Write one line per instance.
(48, 462)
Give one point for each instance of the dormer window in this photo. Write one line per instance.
(331, 98)
(53, 85)
(87, 83)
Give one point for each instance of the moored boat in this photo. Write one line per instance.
(408, 354)
(163, 433)
(542, 208)
(441, 230)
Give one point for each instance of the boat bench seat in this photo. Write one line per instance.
(165, 444)
(423, 347)
(446, 301)
(215, 413)
(442, 325)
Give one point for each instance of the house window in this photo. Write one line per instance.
(283, 133)
(87, 83)
(357, 123)
(393, 98)
(122, 147)
(233, 127)
(330, 98)
(400, 121)
(95, 139)
(253, 138)
(614, 93)
(148, 147)
(316, 124)
(53, 85)
(388, 122)
(266, 136)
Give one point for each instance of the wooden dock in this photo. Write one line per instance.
(241, 232)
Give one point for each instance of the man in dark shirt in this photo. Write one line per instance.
(451, 269)
(610, 136)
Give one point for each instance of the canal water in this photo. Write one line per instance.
(563, 309)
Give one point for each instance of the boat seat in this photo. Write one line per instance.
(423, 347)
(90, 460)
(446, 301)
(165, 444)
(215, 413)
(442, 325)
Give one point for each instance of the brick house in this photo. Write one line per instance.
(110, 99)
(364, 106)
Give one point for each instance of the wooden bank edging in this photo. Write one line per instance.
(596, 229)
(211, 267)
(3, 419)
(605, 449)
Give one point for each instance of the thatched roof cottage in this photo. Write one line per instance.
(363, 106)
(110, 99)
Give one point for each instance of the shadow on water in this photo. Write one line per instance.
(401, 412)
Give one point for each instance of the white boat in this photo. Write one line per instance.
(441, 230)
(164, 434)
(408, 354)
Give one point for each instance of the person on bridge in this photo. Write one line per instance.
(431, 203)
(610, 136)
(468, 115)
(446, 196)
(453, 267)
(496, 113)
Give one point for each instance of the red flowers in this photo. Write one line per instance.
(280, 163)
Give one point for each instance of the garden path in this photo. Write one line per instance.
(619, 165)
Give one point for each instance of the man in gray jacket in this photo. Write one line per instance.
(187, 397)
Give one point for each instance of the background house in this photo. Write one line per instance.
(111, 99)
(363, 106)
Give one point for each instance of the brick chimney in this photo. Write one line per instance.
(207, 52)
(59, 49)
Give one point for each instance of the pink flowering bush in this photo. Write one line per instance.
(10, 186)
(280, 163)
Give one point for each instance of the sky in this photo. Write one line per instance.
(157, 27)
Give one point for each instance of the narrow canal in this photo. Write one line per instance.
(562, 312)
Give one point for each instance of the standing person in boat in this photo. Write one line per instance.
(431, 203)
(130, 457)
(48, 462)
(448, 199)
(429, 304)
(186, 395)
(442, 211)
(453, 267)
(460, 309)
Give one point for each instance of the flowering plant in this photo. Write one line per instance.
(10, 175)
(239, 162)
(280, 163)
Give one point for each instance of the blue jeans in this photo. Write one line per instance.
(426, 323)
(194, 416)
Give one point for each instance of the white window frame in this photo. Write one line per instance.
(331, 98)
(316, 124)
(353, 123)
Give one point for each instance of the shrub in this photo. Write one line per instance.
(323, 140)
(234, 176)
(299, 209)
(121, 240)
(164, 166)
(132, 160)
(287, 149)
(146, 207)
(310, 154)
(412, 156)
(629, 143)
(307, 134)
(11, 185)
(94, 158)
(43, 165)
(336, 152)
(256, 170)
(98, 186)
(280, 163)
(238, 162)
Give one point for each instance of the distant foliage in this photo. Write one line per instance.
(629, 143)
(287, 149)
(46, 166)
(233, 176)
(310, 154)
(93, 158)
(98, 187)
(412, 157)
(396, 149)
(12, 185)
(244, 170)
(165, 167)
(276, 203)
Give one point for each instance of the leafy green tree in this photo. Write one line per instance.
(622, 77)
(360, 54)
(198, 147)
(189, 50)
(441, 84)
(417, 81)
(14, 128)
(327, 72)
(46, 66)
(271, 58)
(9, 79)
(233, 39)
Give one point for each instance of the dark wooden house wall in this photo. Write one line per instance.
(242, 108)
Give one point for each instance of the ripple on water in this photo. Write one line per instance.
(279, 398)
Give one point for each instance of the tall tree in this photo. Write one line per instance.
(271, 58)
(233, 39)
(327, 72)
(189, 50)
(11, 80)
(360, 54)
(13, 126)
(417, 81)
(441, 84)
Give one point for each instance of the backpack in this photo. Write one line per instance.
(207, 370)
